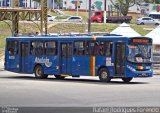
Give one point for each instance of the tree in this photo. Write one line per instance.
(123, 5)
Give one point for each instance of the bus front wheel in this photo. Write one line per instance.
(127, 79)
(104, 75)
(39, 72)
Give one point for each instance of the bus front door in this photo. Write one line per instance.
(66, 58)
(24, 57)
(120, 59)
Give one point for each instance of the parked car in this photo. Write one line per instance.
(147, 21)
(49, 18)
(74, 19)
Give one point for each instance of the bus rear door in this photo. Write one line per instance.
(24, 57)
(120, 59)
(66, 58)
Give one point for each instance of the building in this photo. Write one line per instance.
(26, 3)
(139, 7)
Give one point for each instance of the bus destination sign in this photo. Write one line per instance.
(135, 40)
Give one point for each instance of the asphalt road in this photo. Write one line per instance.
(25, 90)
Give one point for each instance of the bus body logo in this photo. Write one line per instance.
(43, 61)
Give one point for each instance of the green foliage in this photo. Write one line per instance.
(123, 5)
(157, 1)
(152, 1)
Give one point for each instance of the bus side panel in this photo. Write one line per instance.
(81, 65)
(49, 64)
(52, 66)
(107, 62)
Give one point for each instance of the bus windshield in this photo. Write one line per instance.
(139, 53)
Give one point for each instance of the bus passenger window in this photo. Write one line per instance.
(50, 48)
(12, 47)
(108, 51)
(37, 48)
(79, 48)
(99, 48)
(102, 48)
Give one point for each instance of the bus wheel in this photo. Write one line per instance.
(39, 73)
(59, 77)
(127, 79)
(104, 75)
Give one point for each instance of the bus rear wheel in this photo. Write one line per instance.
(39, 72)
(127, 79)
(104, 75)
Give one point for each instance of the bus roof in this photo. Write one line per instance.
(72, 38)
(67, 38)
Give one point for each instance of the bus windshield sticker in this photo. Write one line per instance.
(43, 61)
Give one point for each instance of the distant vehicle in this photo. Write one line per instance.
(155, 15)
(147, 21)
(74, 19)
(49, 18)
(98, 17)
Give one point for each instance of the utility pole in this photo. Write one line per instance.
(89, 18)
(105, 14)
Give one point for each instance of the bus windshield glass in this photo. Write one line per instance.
(139, 53)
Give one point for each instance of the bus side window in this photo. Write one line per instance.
(50, 48)
(37, 48)
(99, 48)
(12, 47)
(108, 51)
(79, 48)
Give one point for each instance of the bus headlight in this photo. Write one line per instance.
(131, 68)
(17, 66)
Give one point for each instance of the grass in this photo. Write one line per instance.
(65, 28)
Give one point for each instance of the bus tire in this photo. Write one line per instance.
(104, 75)
(127, 79)
(157, 24)
(39, 72)
(59, 77)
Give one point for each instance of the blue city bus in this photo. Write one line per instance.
(107, 57)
